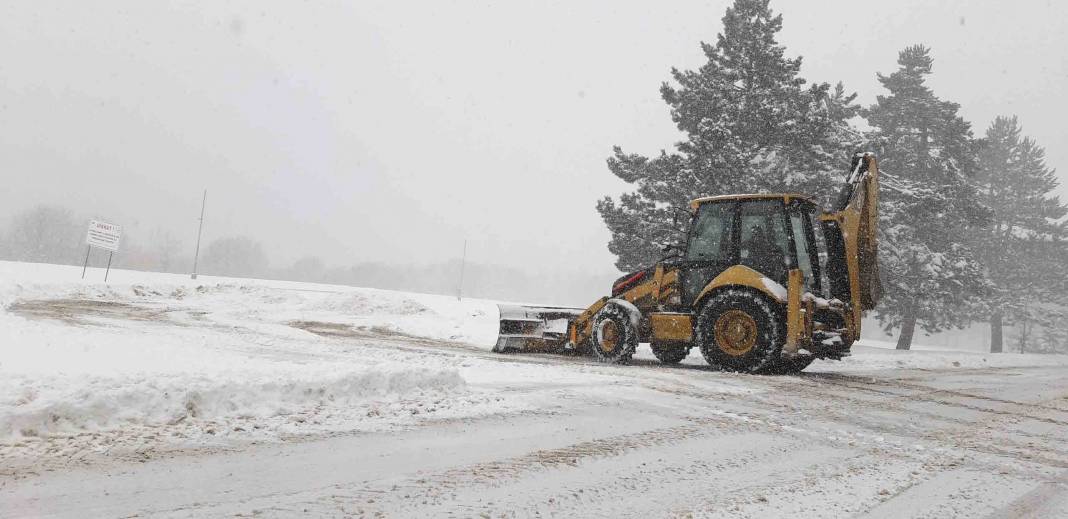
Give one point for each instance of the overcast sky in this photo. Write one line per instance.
(392, 131)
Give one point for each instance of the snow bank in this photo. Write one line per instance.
(152, 349)
(77, 403)
(472, 321)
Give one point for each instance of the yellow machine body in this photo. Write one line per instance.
(814, 325)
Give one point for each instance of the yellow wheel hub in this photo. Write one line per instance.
(736, 333)
(609, 336)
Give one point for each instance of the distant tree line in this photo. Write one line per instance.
(50, 234)
(559, 287)
(53, 234)
(970, 228)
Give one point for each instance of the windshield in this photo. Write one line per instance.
(711, 233)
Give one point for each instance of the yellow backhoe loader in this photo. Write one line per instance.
(764, 283)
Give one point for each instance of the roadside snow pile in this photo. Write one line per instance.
(153, 349)
(363, 305)
(42, 406)
(237, 301)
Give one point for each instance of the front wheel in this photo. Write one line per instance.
(615, 334)
(739, 330)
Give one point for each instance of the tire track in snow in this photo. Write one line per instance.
(925, 393)
(1049, 499)
(964, 436)
(560, 481)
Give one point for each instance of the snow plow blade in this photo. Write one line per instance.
(534, 328)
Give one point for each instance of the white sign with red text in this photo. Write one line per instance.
(103, 235)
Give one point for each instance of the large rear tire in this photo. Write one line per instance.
(791, 366)
(668, 353)
(797, 364)
(615, 334)
(739, 330)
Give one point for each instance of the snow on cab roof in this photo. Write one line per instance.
(760, 196)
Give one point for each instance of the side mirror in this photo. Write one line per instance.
(671, 250)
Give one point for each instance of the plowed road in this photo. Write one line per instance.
(651, 442)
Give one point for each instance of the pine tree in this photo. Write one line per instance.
(1026, 248)
(751, 125)
(926, 155)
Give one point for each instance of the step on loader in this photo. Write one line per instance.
(764, 283)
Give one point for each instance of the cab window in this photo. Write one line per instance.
(822, 259)
(801, 247)
(711, 233)
(764, 245)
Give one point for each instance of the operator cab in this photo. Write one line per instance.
(770, 234)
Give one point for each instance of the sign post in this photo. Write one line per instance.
(463, 264)
(108, 270)
(200, 228)
(86, 264)
(105, 236)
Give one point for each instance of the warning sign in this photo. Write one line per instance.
(103, 235)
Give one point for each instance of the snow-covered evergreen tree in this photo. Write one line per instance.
(926, 155)
(1026, 248)
(750, 125)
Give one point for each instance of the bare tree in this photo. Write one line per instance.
(44, 234)
(234, 256)
(168, 249)
(309, 268)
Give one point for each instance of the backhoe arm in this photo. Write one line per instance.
(852, 241)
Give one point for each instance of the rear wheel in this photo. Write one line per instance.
(668, 353)
(738, 330)
(797, 364)
(615, 334)
(791, 366)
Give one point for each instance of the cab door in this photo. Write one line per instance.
(805, 251)
(710, 248)
(763, 239)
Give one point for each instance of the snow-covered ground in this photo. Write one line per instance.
(217, 357)
(158, 394)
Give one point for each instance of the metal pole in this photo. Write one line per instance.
(110, 255)
(200, 228)
(463, 263)
(86, 264)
